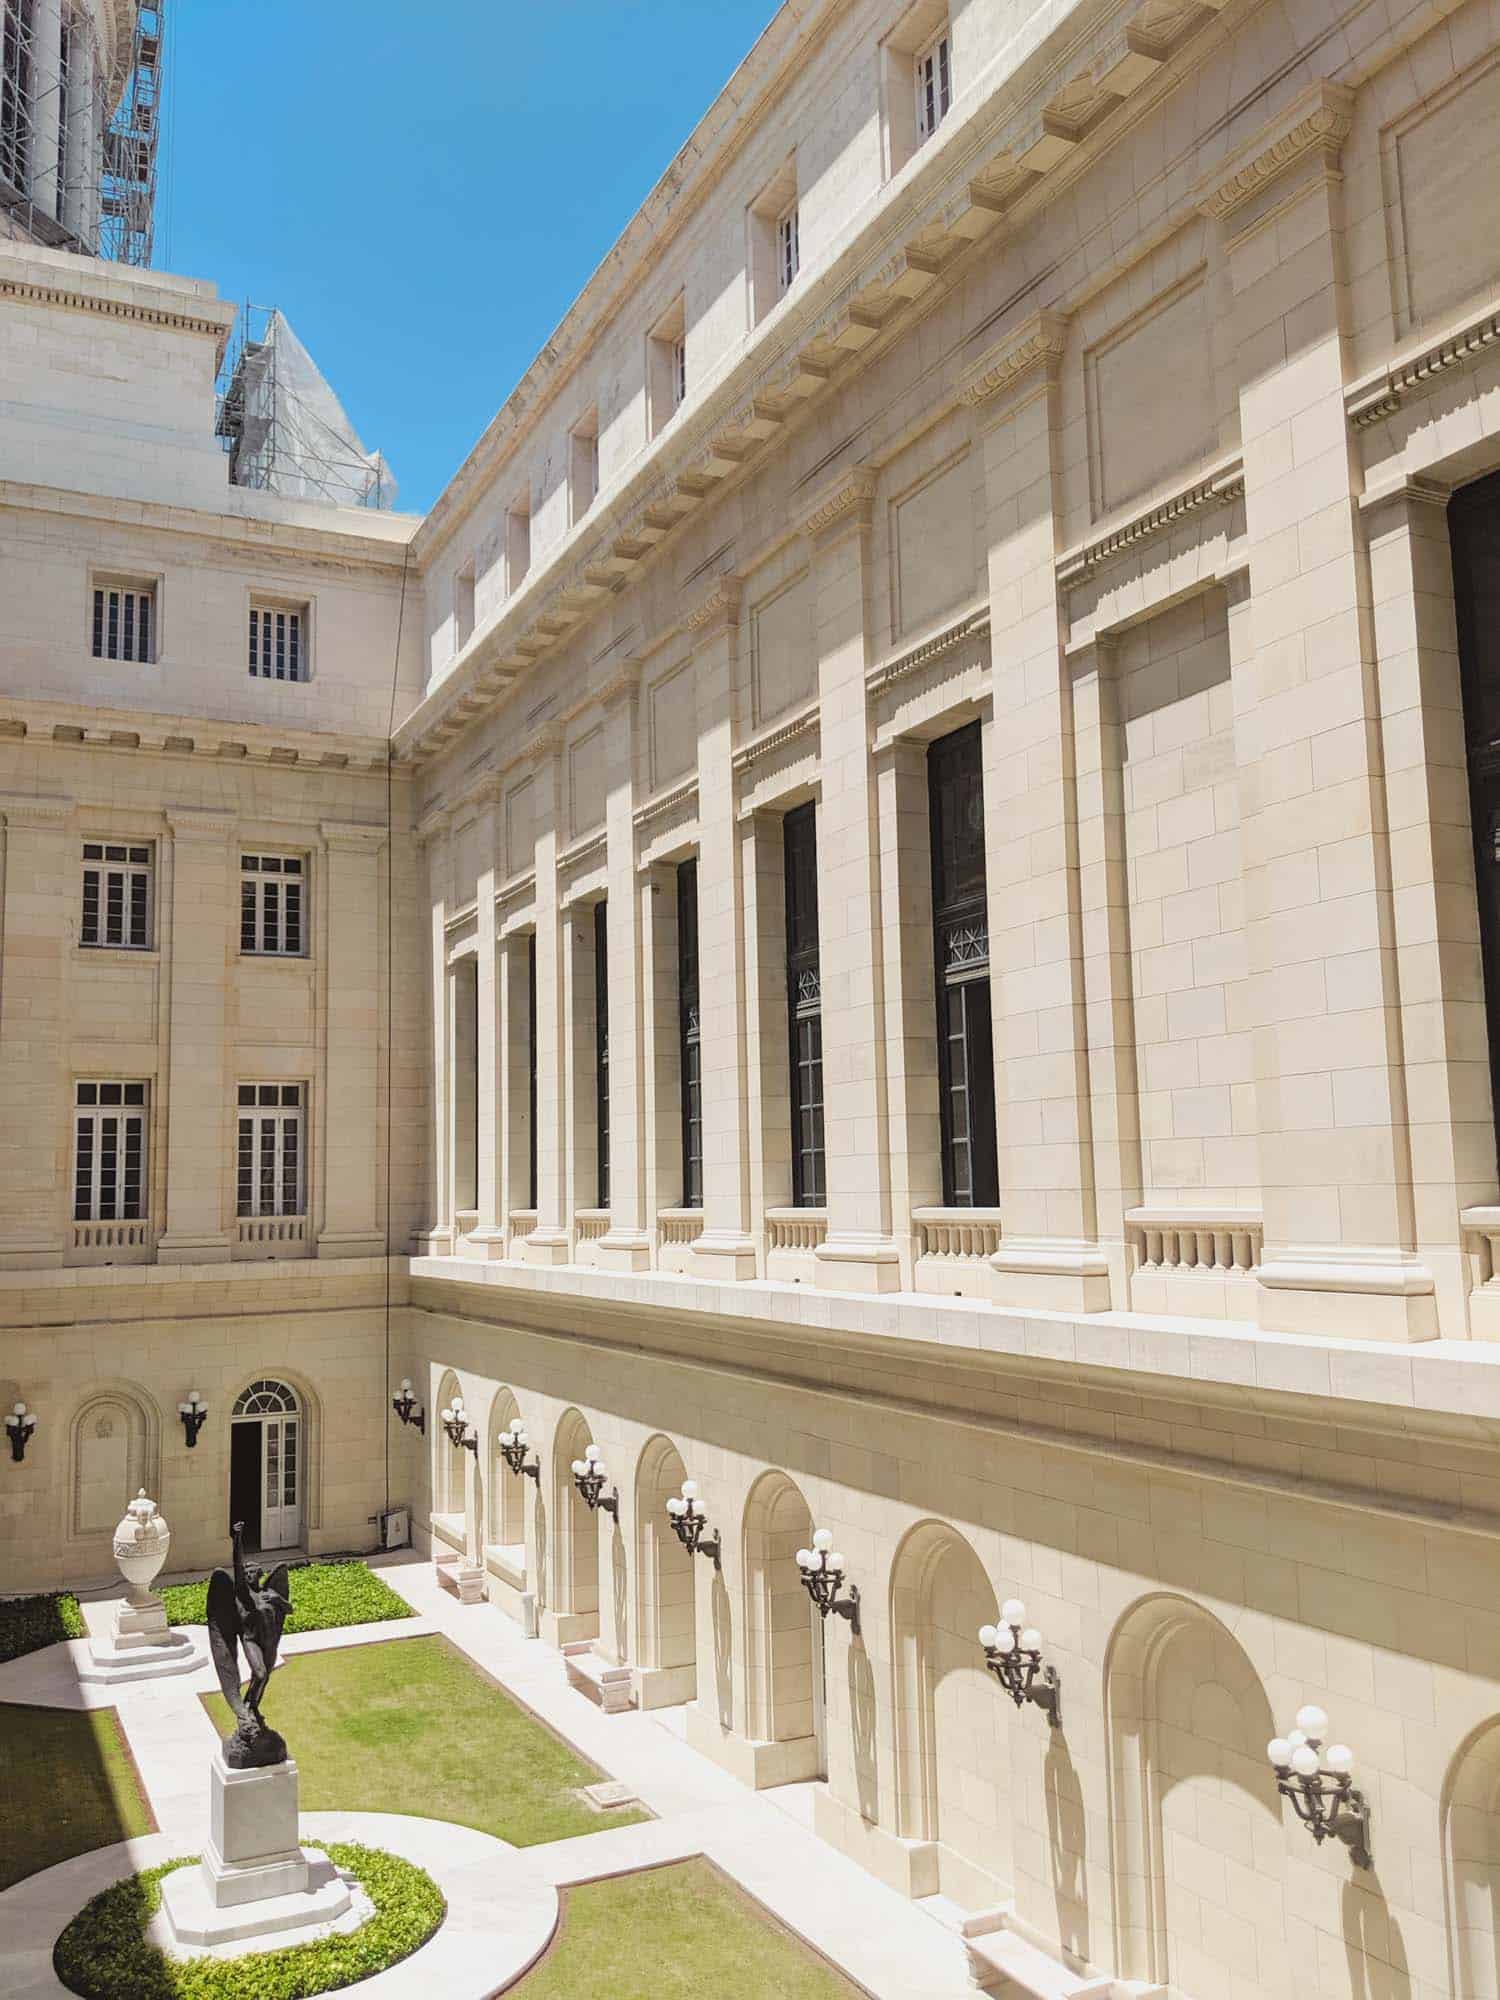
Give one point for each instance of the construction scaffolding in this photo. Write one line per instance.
(79, 129)
(284, 429)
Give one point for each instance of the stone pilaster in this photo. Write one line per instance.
(433, 835)
(1340, 1223)
(1049, 1253)
(488, 1234)
(859, 1252)
(41, 886)
(197, 1109)
(627, 1246)
(726, 1248)
(549, 1242)
(354, 1115)
(46, 105)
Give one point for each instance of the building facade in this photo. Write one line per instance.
(892, 914)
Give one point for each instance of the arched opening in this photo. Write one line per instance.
(666, 1640)
(1471, 1864)
(115, 1451)
(449, 1496)
(1474, 529)
(575, 1532)
(952, 1722)
(505, 1530)
(1193, 1799)
(267, 1464)
(784, 1661)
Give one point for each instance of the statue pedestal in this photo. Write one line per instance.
(141, 1645)
(255, 1878)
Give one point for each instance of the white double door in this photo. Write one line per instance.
(280, 1480)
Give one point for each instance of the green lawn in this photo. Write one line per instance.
(412, 1727)
(70, 1786)
(29, 1623)
(324, 1595)
(676, 1933)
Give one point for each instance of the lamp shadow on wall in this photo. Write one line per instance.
(1067, 1843)
(1373, 1943)
(620, 1586)
(543, 1572)
(723, 1653)
(862, 1724)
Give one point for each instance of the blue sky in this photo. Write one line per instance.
(424, 189)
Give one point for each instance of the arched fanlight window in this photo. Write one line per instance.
(266, 1399)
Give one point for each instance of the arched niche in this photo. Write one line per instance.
(783, 1649)
(449, 1491)
(1194, 1809)
(114, 1449)
(951, 1721)
(1471, 1864)
(575, 1532)
(666, 1634)
(505, 1523)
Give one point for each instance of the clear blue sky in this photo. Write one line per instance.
(424, 189)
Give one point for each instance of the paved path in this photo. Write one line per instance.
(764, 1841)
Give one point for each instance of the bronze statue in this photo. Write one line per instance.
(242, 1613)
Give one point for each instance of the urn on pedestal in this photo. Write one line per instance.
(140, 1644)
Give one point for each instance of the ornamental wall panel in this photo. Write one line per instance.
(672, 735)
(783, 667)
(933, 546)
(1149, 386)
(1440, 166)
(520, 827)
(587, 771)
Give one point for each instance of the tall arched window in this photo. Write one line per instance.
(266, 1465)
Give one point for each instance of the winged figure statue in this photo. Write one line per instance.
(248, 1614)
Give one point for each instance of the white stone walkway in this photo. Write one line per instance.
(763, 1841)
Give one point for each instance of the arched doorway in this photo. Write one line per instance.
(266, 1465)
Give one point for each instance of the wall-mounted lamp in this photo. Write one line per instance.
(514, 1444)
(1013, 1654)
(689, 1521)
(407, 1408)
(822, 1573)
(1319, 1785)
(21, 1426)
(194, 1415)
(589, 1477)
(461, 1433)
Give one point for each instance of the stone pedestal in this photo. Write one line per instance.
(141, 1645)
(255, 1878)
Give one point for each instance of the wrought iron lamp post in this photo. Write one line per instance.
(1013, 1654)
(1319, 1785)
(461, 1433)
(589, 1476)
(20, 1426)
(194, 1415)
(407, 1408)
(514, 1444)
(688, 1522)
(822, 1574)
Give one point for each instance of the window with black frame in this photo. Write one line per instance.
(961, 955)
(690, 1050)
(531, 1055)
(601, 1045)
(805, 1007)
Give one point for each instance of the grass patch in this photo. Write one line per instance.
(675, 1933)
(29, 1623)
(103, 1955)
(70, 1786)
(324, 1595)
(413, 1727)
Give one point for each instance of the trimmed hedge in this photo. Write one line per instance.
(29, 1623)
(103, 1953)
(324, 1595)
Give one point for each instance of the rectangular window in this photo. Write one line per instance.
(805, 1005)
(273, 905)
(109, 1152)
(601, 1044)
(518, 543)
(788, 249)
(934, 81)
(688, 1034)
(116, 895)
(270, 1162)
(961, 955)
(278, 642)
(666, 367)
(531, 1051)
(583, 466)
(463, 606)
(124, 626)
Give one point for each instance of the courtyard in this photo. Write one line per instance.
(451, 1720)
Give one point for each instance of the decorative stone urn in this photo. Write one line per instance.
(142, 1540)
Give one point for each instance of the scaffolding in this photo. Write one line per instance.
(283, 428)
(78, 132)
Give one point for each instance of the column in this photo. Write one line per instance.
(859, 1252)
(46, 104)
(433, 835)
(1335, 1143)
(80, 192)
(580, 1092)
(42, 885)
(661, 1073)
(355, 1114)
(1436, 912)
(488, 1237)
(196, 1115)
(726, 1248)
(548, 1243)
(513, 1189)
(768, 1066)
(627, 1247)
(1049, 1253)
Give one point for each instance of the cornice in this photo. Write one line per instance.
(1368, 402)
(352, 836)
(71, 726)
(807, 722)
(199, 823)
(31, 291)
(719, 608)
(31, 809)
(1036, 343)
(1220, 488)
(1317, 121)
(848, 498)
(623, 682)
